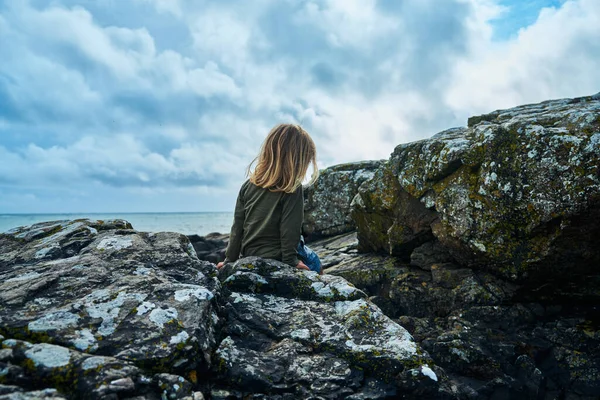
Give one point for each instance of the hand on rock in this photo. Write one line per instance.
(220, 265)
(301, 265)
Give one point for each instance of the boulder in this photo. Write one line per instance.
(142, 302)
(312, 336)
(516, 192)
(210, 247)
(327, 201)
(493, 337)
(95, 309)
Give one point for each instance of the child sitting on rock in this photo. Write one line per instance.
(270, 205)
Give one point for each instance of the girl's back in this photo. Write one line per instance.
(271, 223)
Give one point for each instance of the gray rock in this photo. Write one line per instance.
(174, 386)
(33, 395)
(140, 297)
(327, 201)
(314, 336)
(488, 333)
(517, 192)
(428, 254)
(102, 311)
(257, 275)
(70, 371)
(211, 247)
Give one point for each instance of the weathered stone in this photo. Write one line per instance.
(141, 297)
(69, 371)
(368, 272)
(449, 275)
(211, 247)
(388, 218)
(257, 275)
(459, 314)
(173, 386)
(327, 201)
(129, 314)
(33, 395)
(331, 346)
(517, 192)
(428, 254)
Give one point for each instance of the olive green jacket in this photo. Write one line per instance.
(266, 224)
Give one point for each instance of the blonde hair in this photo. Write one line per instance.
(284, 158)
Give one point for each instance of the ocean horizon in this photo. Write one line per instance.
(188, 223)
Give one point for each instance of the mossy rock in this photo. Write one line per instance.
(517, 192)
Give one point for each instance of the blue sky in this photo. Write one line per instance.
(159, 105)
(517, 14)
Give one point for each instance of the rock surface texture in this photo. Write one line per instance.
(512, 192)
(327, 202)
(95, 309)
(494, 338)
(210, 247)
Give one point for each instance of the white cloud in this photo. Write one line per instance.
(166, 6)
(209, 81)
(558, 56)
(93, 102)
(351, 23)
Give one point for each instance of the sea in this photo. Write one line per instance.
(200, 223)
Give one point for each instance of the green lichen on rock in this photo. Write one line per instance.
(505, 192)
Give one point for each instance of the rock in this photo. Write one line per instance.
(388, 218)
(493, 337)
(327, 201)
(211, 247)
(99, 287)
(295, 332)
(449, 275)
(369, 272)
(33, 395)
(69, 371)
(257, 275)
(517, 192)
(95, 309)
(428, 254)
(174, 386)
(333, 250)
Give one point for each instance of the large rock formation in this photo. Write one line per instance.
(516, 192)
(95, 309)
(495, 339)
(327, 201)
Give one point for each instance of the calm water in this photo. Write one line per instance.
(186, 223)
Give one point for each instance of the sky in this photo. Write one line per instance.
(159, 105)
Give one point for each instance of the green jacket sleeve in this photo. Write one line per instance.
(292, 214)
(237, 229)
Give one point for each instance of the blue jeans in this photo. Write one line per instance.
(308, 257)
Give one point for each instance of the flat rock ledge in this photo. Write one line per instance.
(96, 310)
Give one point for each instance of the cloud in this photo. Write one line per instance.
(557, 56)
(113, 102)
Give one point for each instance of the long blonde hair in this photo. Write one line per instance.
(284, 158)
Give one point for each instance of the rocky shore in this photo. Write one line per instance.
(464, 267)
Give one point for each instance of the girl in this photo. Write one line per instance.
(270, 205)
